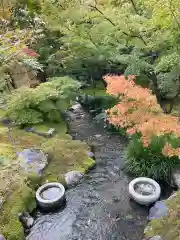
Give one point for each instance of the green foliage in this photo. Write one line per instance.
(31, 106)
(150, 162)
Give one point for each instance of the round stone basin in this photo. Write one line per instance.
(50, 195)
(144, 191)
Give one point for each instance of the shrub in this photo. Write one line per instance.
(30, 106)
(149, 161)
(151, 152)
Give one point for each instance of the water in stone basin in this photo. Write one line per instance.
(144, 189)
(51, 193)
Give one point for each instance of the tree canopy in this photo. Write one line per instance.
(89, 38)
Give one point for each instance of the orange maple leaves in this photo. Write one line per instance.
(139, 112)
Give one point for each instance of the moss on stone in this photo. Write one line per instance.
(21, 199)
(65, 156)
(167, 227)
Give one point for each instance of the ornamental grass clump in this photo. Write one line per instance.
(154, 148)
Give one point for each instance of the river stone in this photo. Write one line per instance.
(32, 161)
(98, 136)
(26, 220)
(159, 210)
(73, 177)
(75, 107)
(156, 238)
(176, 178)
(51, 132)
(2, 237)
(91, 155)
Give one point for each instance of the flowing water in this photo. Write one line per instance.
(99, 207)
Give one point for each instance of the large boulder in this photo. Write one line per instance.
(32, 161)
(159, 210)
(73, 177)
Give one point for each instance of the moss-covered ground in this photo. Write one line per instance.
(17, 190)
(167, 227)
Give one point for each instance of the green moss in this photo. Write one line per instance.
(86, 165)
(20, 138)
(2, 113)
(167, 227)
(7, 151)
(61, 128)
(21, 199)
(64, 156)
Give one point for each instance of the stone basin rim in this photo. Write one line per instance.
(47, 186)
(144, 198)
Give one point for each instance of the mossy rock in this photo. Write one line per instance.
(167, 227)
(65, 156)
(21, 199)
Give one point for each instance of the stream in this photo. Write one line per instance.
(98, 208)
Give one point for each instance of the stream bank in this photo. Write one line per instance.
(99, 207)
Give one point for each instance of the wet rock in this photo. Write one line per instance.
(75, 107)
(91, 155)
(51, 132)
(154, 238)
(159, 210)
(98, 136)
(73, 177)
(32, 161)
(176, 178)
(26, 220)
(2, 237)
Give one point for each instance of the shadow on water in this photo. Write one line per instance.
(98, 208)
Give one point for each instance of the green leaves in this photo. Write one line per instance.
(29, 106)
